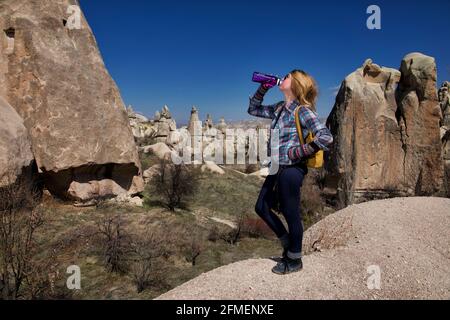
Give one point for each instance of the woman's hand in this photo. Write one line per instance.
(268, 86)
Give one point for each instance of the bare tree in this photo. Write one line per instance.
(19, 219)
(235, 234)
(174, 183)
(193, 245)
(196, 250)
(116, 242)
(147, 262)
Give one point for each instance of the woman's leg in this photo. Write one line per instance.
(262, 208)
(289, 184)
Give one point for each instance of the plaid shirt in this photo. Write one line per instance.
(290, 150)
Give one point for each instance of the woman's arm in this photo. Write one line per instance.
(322, 140)
(257, 109)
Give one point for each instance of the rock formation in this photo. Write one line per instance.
(159, 149)
(195, 129)
(165, 125)
(55, 78)
(141, 126)
(386, 136)
(212, 167)
(419, 114)
(209, 124)
(444, 99)
(222, 126)
(16, 157)
(385, 249)
(151, 172)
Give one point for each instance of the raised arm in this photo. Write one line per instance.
(256, 108)
(322, 140)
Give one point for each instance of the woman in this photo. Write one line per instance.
(299, 89)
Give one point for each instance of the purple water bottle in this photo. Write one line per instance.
(266, 78)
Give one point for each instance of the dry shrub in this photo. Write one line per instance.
(115, 241)
(174, 183)
(194, 244)
(148, 260)
(256, 228)
(214, 234)
(43, 278)
(246, 226)
(20, 216)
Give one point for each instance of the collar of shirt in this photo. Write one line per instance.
(291, 108)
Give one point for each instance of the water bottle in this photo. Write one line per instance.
(266, 78)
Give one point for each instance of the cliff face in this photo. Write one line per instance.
(55, 78)
(387, 137)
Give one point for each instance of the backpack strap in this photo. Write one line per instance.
(300, 132)
(299, 124)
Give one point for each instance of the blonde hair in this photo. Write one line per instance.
(304, 88)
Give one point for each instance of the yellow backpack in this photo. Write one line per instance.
(316, 160)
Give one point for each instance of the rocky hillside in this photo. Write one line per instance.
(405, 239)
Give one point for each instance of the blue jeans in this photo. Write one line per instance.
(289, 180)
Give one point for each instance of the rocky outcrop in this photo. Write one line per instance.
(55, 78)
(210, 166)
(419, 115)
(263, 173)
(209, 123)
(222, 126)
(444, 100)
(165, 125)
(384, 249)
(151, 172)
(16, 157)
(160, 150)
(386, 128)
(366, 153)
(141, 126)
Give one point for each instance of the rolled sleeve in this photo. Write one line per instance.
(323, 137)
(257, 109)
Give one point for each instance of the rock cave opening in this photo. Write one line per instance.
(10, 33)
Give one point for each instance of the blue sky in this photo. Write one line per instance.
(203, 53)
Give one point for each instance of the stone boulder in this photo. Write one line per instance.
(366, 156)
(15, 148)
(419, 116)
(385, 125)
(263, 173)
(165, 125)
(444, 100)
(141, 126)
(386, 249)
(445, 138)
(212, 167)
(161, 150)
(152, 172)
(55, 78)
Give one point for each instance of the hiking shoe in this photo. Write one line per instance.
(287, 266)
